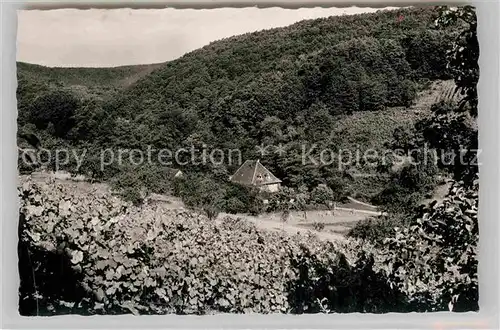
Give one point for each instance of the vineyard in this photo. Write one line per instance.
(92, 253)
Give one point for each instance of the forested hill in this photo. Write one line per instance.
(284, 86)
(93, 81)
(230, 88)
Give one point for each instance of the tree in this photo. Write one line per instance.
(92, 122)
(372, 95)
(203, 194)
(426, 53)
(57, 108)
(464, 54)
(434, 260)
(322, 195)
(318, 123)
(450, 138)
(283, 202)
(302, 199)
(272, 126)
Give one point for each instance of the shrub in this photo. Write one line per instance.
(203, 194)
(233, 205)
(330, 282)
(130, 186)
(434, 260)
(408, 186)
(318, 226)
(241, 199)
(377, 229)
(322, 195)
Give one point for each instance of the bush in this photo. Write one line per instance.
(377, 229)
(329, 282)
(434, 261)
(203, 194)
(130, 186)
(233, 205)
(408, 186)
(318, 226)
(241, 199)
(322, 195)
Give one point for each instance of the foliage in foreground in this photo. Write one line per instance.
(432, 258)
(154, 260)
(119, 258)
(435, 259)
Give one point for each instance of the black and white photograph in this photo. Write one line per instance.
(247, 160)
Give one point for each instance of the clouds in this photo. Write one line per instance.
(113, 37)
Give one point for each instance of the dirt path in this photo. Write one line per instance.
(272, 221)
(335, 223)
(291, 229)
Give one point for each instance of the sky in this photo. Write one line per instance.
(114, 37)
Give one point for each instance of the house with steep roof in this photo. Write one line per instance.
(253, 173)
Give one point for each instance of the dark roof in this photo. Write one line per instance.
(252, 172)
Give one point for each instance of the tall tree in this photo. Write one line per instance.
(463, 56)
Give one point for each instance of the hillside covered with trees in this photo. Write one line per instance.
(335, 83)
